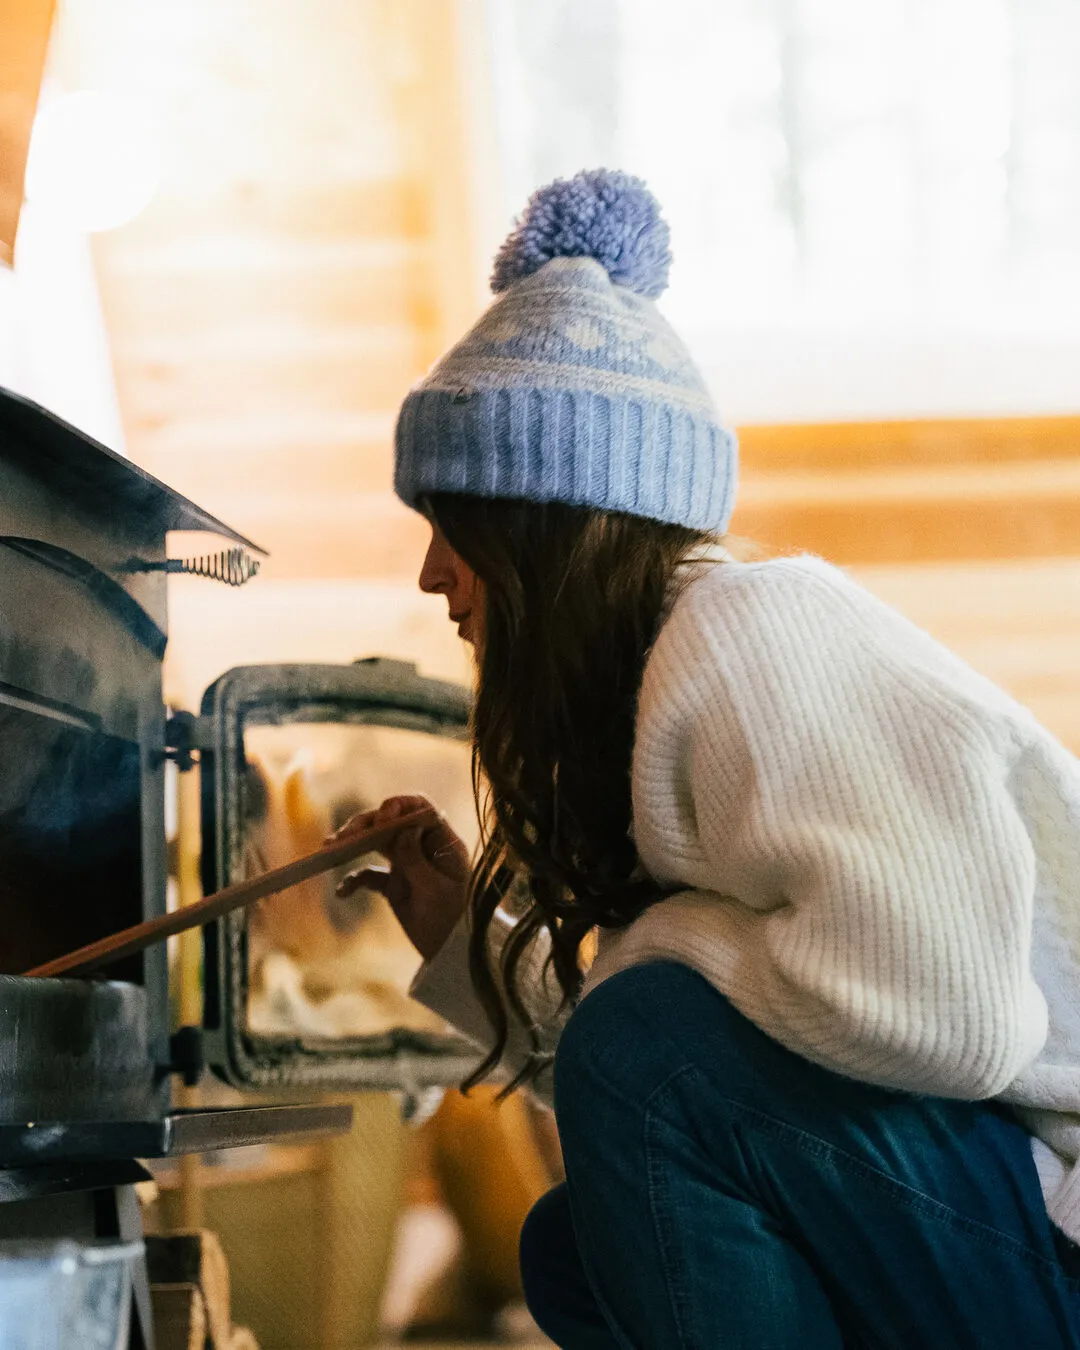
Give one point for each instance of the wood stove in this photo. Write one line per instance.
(302, 995)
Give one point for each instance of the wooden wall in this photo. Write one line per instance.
(916, 491)
(314, 245)
(972, 528)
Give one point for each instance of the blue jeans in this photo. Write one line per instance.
(723, 1193)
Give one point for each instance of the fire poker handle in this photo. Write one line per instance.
(244, 893)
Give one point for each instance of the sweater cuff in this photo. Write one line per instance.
(443, 986)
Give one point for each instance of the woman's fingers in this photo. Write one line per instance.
(406, 852)
(445, 851)
(364, 879)
(417, 851)
(390, 810)
(430, 853)
(358, 824)
(393, 886)
(395, 807)
(424, 885)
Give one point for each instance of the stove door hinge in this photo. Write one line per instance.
(185, 736)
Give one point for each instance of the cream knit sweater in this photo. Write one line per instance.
(875, 851)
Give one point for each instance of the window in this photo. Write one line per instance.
(873, 202)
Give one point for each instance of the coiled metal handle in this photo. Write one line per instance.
(234, 566)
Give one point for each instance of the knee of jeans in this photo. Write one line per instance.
(547, 1232)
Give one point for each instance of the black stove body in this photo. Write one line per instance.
(87, 1066)
(83, 630)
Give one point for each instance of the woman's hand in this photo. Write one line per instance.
(427, 881)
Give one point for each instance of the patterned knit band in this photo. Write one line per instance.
(572, 387)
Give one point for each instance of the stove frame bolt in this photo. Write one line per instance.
(186, 1056)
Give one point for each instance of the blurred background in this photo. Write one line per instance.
(237, 230)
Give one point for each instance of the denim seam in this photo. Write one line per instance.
(659, 1203)
(904, 1194)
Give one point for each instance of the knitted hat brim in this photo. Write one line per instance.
(575, 446)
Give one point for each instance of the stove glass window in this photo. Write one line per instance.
(321, 967)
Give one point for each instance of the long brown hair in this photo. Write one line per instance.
(573, 601)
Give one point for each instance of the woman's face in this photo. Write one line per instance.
(445, 573)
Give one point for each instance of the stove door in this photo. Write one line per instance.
(304, 989)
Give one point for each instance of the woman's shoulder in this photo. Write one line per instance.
(732, 623)
(737, 595)
(801, 624)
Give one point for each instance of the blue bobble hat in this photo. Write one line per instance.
(572, 387)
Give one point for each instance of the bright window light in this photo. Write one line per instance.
(93, 161)
(873, 202)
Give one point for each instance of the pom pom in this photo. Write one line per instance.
(601, 214)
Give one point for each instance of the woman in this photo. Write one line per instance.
(818, 1086)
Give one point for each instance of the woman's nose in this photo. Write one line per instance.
(435, 575)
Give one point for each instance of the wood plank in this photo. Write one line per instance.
(160, 392)
(360, 470)
(181, 303)
(962, 482)
(842, 446)
(1021, 597)
(918, 533)
(444, 102)
(298, 453)
(996, 511)
(285, 339)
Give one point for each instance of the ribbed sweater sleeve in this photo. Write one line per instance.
(831, 791)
